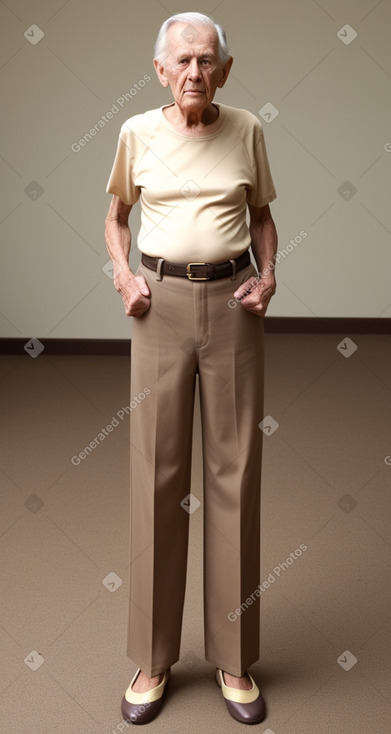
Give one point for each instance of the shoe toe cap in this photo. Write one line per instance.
(248, 713)
(139, 713)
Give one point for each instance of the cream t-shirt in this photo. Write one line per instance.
(193, 190)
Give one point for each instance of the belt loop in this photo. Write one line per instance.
(233, 263)
(160, 262)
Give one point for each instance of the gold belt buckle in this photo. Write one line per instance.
(190, 274)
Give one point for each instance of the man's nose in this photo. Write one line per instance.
(194, 70)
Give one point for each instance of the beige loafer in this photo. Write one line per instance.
(248, 707)
(139, 708)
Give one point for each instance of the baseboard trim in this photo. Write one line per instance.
(324, 325)
(273, 325)
(68, 347)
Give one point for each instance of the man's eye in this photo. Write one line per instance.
(205, 62)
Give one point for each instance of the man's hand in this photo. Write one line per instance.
(254, 295)
(135, 293)
(133, 288)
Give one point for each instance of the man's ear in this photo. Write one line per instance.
(225, 71)
(159, 68)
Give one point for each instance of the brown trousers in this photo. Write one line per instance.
(195, 327)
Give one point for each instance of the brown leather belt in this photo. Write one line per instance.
(197, 270)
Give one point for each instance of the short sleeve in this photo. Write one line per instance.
(263, 190)
(121, 180)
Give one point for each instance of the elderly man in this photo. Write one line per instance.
(197, 302)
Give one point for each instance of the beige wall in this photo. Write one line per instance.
(333, 127)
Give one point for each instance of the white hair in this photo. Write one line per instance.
(190, 19)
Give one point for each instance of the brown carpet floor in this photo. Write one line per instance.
(325, 664)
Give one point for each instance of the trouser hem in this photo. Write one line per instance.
(228, 668)
(156, 669)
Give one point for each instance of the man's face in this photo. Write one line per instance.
(192, 68)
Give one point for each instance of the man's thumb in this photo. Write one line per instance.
(143, 286)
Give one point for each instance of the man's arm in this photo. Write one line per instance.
(133, 289)
(255, 294)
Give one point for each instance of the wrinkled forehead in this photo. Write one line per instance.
(191, 39)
